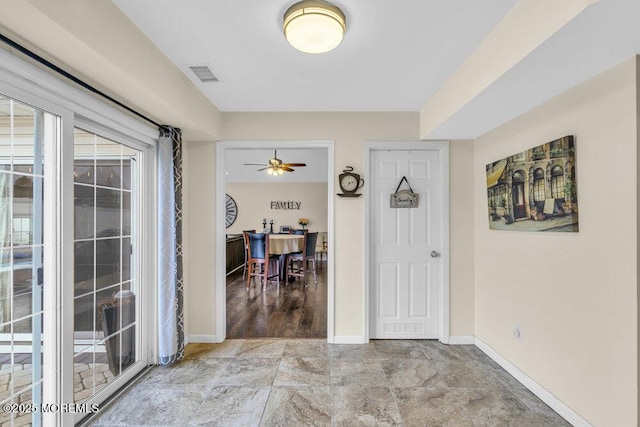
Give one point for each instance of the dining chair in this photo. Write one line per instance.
(322, 246)
(259, 259)
(302, 258)
(246, 252)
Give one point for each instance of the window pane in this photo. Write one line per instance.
(84, 172)
(84, 313)
(538, 190)
(5, 206)
(5, 134)
(84, 209)
(28, 130)
(22, 203)
(557, 187)
(108, 163)
(6, 276)
(126, 259)
(107, 262)
(84, 156)
(126, 213)
(108, 205)
(84, 265)
(108, 174)
(22, 284)
(126, 172)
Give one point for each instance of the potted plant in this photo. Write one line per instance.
(557, 152)
(570, 197)
(538, 154)
(303, 222)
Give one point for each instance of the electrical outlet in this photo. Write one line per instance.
(517, 331)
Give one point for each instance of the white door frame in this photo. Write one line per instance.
(221, 185)
(442, 147)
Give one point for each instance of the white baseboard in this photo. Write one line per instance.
(462, 339)
(548, 398)
(349, 339)
(203, 339)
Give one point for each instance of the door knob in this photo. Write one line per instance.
(435, 254)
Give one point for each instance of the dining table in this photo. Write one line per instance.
(284, 244)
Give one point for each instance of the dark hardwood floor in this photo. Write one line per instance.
(291, 310)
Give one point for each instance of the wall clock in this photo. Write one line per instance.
(349, 183)
(232, 210)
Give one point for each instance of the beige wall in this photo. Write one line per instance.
(575, 294)
(461, 238)
(349, 131)
(254, 204)
(198, 230)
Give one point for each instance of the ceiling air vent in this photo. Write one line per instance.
(203, 73)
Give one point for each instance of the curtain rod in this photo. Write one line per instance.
(71, 77)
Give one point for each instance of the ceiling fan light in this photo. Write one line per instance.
(314, 26)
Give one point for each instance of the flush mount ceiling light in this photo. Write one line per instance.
(314, 26)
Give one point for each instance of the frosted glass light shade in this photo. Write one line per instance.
(314, 26)
(274, 171)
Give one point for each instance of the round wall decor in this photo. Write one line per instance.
(232, 210)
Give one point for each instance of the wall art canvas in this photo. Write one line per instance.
(535, 190)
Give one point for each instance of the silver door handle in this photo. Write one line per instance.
(435, 254)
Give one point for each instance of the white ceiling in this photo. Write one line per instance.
(395, 55)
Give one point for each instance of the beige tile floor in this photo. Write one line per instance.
(309, 382)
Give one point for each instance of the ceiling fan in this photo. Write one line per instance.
(276, 167)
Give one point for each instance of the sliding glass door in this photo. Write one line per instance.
(76, 260)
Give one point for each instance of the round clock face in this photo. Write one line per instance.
(232, 210)
(349, 183)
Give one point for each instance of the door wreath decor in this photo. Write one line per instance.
(404, 198)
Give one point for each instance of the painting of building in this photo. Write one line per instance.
(535, 190)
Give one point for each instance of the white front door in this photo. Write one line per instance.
(404, 273)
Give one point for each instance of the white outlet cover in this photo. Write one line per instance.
(517, 331)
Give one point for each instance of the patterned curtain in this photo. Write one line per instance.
(170, 279)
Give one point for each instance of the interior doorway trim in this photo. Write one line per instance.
(442, 147)
(221, 186)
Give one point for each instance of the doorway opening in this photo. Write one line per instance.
(252, 200)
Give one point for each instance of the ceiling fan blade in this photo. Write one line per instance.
(275, 164)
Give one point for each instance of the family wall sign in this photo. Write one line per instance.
(286, 204)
